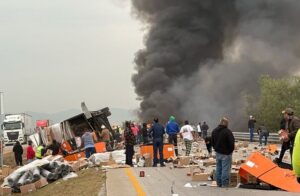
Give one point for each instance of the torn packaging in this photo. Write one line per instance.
(184, 161)
(27, 188)
(41, 183)
(5, 191)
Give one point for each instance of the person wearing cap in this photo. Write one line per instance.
(251, 126)
(222, 141)
(157, 131)
(292, 124)
(285, 144)
(172, 129)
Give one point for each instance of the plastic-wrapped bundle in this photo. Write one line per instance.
(13, 178)
(53, 164)
(30, 178)
(36, 174)
(22, 179)
(47, 174)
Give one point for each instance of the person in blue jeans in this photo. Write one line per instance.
(263, 132)
(251, 126)
(157, 131)
(88, 142)
(173, 129)
(222, 141)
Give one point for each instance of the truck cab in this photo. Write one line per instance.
(17, 127)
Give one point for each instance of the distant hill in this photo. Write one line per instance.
(118, 115)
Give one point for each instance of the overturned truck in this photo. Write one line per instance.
(69, 132)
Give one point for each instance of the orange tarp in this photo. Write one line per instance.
(265, 170)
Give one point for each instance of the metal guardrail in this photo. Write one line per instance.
(245, 136)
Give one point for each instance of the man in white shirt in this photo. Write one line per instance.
(199, 129)
(186, 133)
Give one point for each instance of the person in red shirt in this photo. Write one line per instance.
(30, 152)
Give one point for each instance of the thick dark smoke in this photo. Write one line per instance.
(202, 56)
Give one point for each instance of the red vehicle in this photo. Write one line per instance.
(41, 124)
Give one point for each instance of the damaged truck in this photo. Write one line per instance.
(69, 132)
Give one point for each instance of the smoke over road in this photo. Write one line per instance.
(202, 56)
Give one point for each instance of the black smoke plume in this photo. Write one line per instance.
(202, 56)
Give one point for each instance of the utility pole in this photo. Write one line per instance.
(1, 122)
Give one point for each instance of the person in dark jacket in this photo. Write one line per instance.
(285, 144)
(208, 145)
(204, 129)
(263, 133)
(173, 129)
(251, 126)
(18, 151)
(157, 131)
(129, 143)
(144, 131)
(222, 141)
(292, 125)
(54, 147)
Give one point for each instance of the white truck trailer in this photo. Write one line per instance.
(17, 127)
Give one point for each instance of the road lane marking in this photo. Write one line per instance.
(134, 181)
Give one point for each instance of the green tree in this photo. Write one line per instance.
(275, 95)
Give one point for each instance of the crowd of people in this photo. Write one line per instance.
(221, 140)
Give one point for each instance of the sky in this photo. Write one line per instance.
(55, 54)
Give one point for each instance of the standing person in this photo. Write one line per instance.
(186, 133)
(88, 143)
(199, 129)
(251, 126)
(135, 131)
(292, 125)
(54, 147)
(144, 131)
(18, 151)
(129, 143)
(30, 152)
(222, 141)
(172, 131)
(204, 129)
(105, 135)
(285, 144)
(40, 151)
(263, 132)
(157, 131)
(208, 145)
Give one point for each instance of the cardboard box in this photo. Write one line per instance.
(108, 163)
(209, 162)
(184, 161)
(41, 183)
(245, 144)
(83, 163)
(28, 188)
(75, 165)
(196, 176)
(5, 191)
(148, 162)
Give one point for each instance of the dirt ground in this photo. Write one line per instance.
(88, 183)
